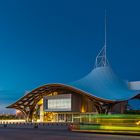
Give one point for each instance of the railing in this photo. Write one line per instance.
(61, 126)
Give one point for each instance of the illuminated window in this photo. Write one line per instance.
(57, 103)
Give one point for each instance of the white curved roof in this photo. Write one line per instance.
(103, 83)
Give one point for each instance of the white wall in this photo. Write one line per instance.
(135, 85)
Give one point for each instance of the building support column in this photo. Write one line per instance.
(41, 113)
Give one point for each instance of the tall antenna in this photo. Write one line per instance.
(101, 59)
(105, 36)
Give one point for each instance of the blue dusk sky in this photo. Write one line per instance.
(56, 41)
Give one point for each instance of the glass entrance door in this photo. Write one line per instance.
(61, 118)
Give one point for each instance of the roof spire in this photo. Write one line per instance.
(105, 37)
(101, 59)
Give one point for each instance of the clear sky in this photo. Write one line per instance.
(56, 41)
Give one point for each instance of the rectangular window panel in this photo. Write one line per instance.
(57, 103)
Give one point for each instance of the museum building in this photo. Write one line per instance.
(99, 92)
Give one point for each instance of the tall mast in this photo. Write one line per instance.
(101, 58)
(105, 45)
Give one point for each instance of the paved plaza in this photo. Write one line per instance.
(43, 134)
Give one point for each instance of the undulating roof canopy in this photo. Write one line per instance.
(100, 84)
(103, 83)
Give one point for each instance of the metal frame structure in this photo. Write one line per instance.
(101, 59)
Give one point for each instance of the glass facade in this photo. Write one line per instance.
(59, 104)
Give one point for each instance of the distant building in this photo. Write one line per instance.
(19, 114)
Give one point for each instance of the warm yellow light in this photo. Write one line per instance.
(55, 93)
(40, 102)
(83, 109)
(138, 123)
